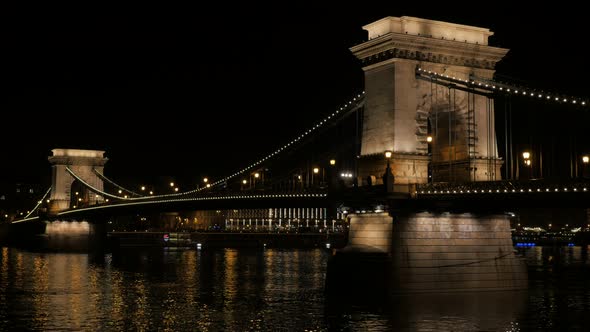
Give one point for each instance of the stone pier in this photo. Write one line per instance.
(433, 252)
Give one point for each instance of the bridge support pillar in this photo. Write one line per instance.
(370, 232)
(450, 252)
(427, 253)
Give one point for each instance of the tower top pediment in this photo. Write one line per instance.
(78, 153)
(423, 27)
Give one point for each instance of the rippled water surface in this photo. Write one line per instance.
(267, 290)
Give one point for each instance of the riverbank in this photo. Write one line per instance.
(200, 240)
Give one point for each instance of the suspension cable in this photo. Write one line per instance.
(104, 178)
(38, 203)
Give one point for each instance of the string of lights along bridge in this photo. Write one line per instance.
(334, 116)
(491, 85)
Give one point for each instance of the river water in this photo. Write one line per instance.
(266, 290)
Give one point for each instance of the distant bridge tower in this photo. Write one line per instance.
(401, 110)
(82, 163)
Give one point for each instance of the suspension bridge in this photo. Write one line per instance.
(413, 163)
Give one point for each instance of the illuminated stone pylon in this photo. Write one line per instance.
(402, 110)
(82, 163)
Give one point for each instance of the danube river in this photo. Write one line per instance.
(266, 290)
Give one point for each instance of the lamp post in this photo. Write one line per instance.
(316, 170)
(585, 166)
(429, 168)
(526, 156)
(332, 175)
(256, 176)
(388, 177)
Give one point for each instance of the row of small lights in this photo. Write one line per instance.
(295, 140)
(508, 90)
(200, 199)
(497, 191)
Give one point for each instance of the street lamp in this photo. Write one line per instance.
(205, 180)
(171, 184)
(527, 158)
(585, 159)
(527, 170)
(316, 170)
(256, 176)
(332, 162)
(142, 188)
(429, 139)
(388, 177)
(388, 155)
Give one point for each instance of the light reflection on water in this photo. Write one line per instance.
(237, 290)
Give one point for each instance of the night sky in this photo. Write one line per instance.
(192, 91)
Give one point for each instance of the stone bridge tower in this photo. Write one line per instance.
(401, 111)
(83, 163)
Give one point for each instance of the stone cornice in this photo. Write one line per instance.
(75, 161)
(421, 48)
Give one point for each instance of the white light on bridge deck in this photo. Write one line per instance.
(171, 184)
(205, 180)
(120, 191)
(176, 189)
(142, 188)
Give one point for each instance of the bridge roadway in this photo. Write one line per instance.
(498, 196)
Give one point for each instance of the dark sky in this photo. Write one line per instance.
(193, 91)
